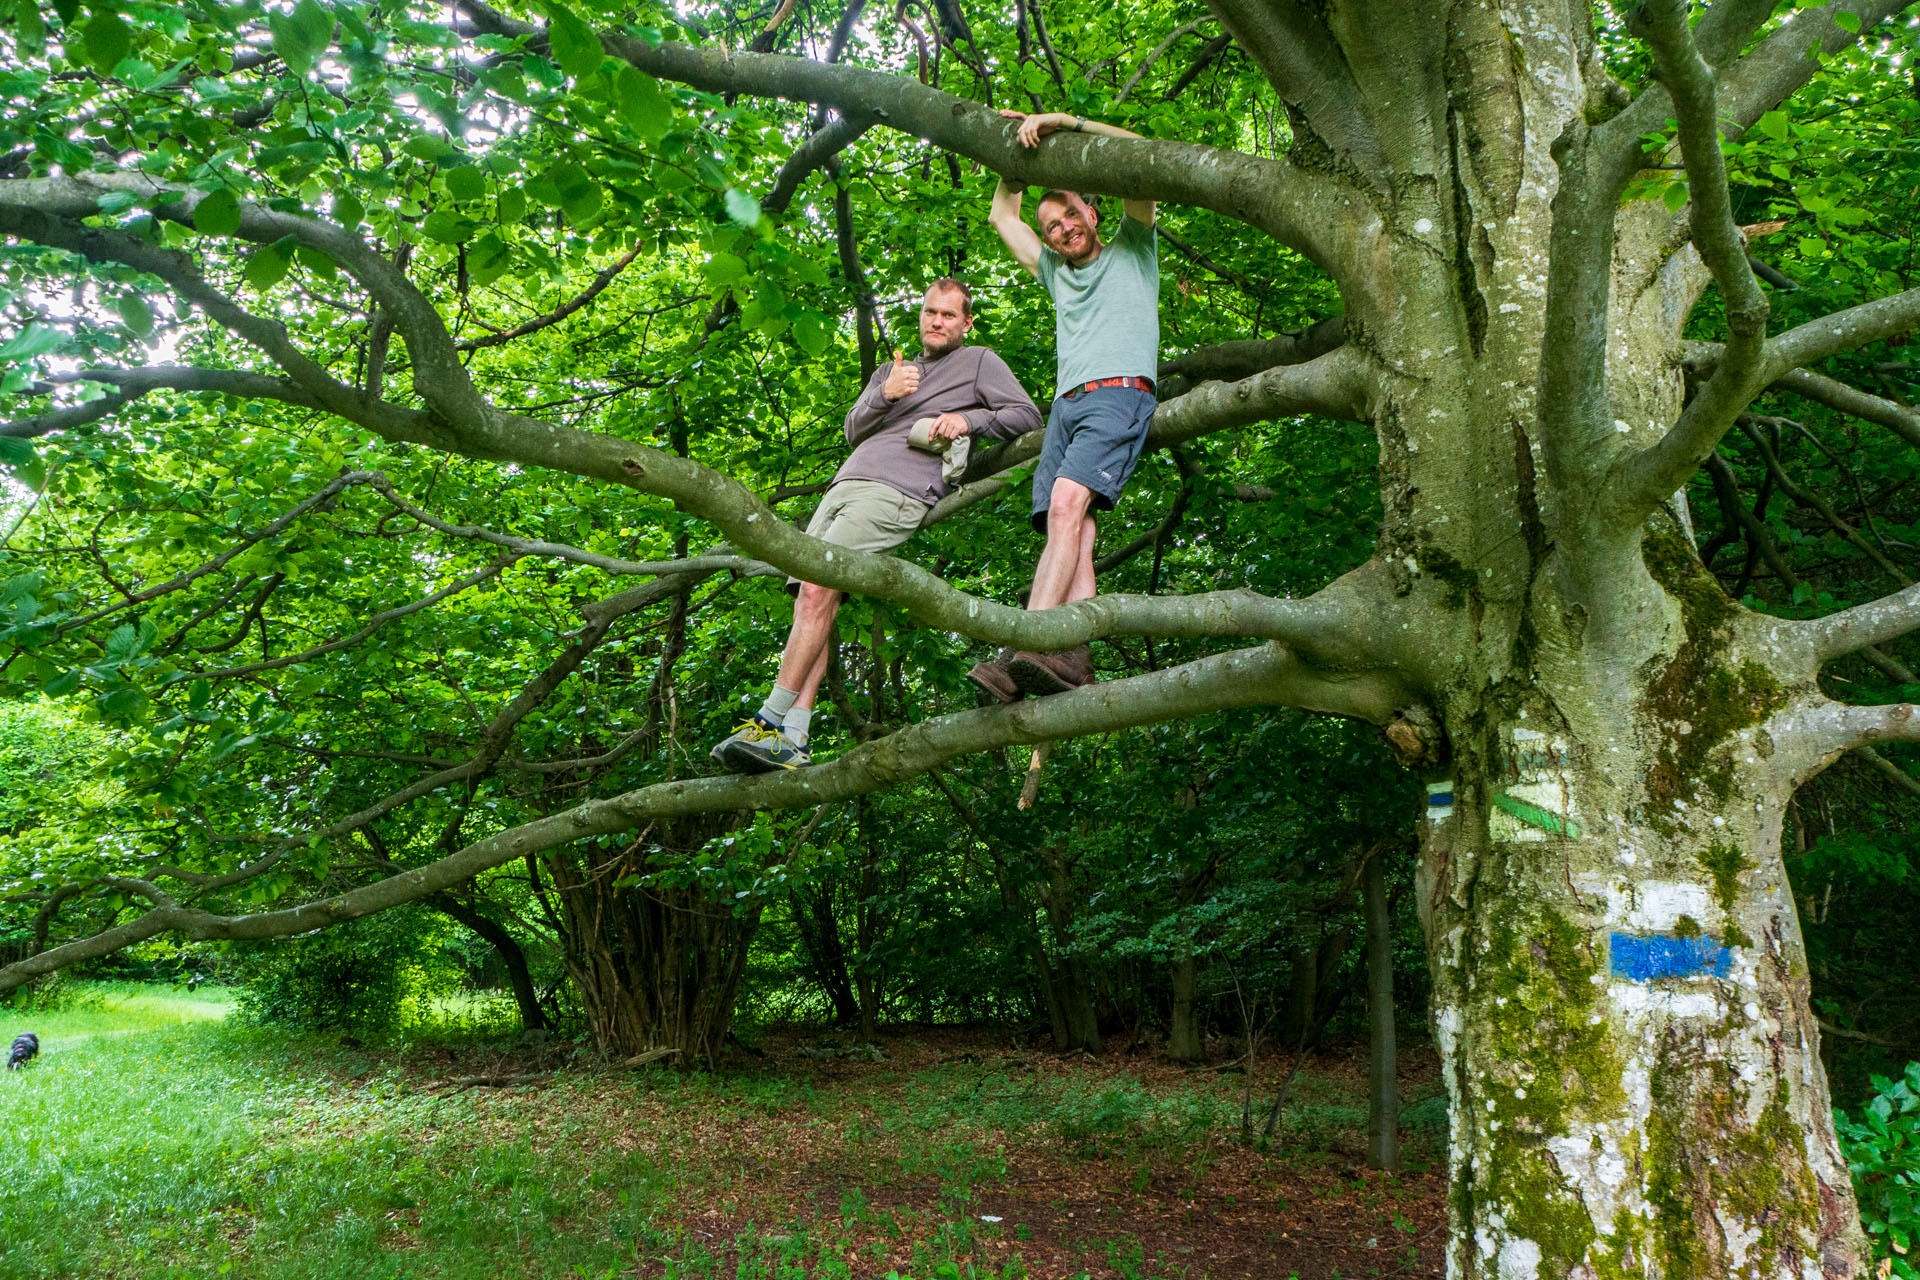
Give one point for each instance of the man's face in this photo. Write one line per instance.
(943, 322)
(1068, 226)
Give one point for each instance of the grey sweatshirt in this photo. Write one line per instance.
(971, 381)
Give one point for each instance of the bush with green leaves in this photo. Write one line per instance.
(1883, 1152)
(370, 976)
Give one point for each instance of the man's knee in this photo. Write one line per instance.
(1067, 500)
(814, 597)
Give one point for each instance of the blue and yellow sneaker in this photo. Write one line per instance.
(760, 747)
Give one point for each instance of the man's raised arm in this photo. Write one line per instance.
(1035, 127)
(1005, 218)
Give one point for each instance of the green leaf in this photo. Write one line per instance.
(63, 684)
(1846, 21)
(122, 702)
(724, 269)
(290, 43)
(347, 209)
(19, 457)
(645, 108)
(427, 146)
(106, 40)
(448, 227)
(267, 267)
(575, 47)
(1774, 125)
(813, 333)
(488, 259)
(35, 340)
(579, 194)
(1675, 196)
(135, 312)
(742, 207)
(513, 205)
(315, 24)
(465, 183)
(317, 262)
(218, 213)
(67, 9)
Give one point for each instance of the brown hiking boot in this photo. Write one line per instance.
(1043, 673)
(992, 682)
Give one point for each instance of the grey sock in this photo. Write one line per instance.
(796, 725)
(779, 702)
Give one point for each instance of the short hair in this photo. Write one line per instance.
(948, 284)
(1063, 196)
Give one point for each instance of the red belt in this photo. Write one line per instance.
(1139, 384)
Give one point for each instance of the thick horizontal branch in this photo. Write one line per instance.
(1266, 675)
(1234, 360)
(439, 377)
(1335, 385)
(1297, 209)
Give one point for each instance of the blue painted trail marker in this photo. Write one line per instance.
(1664, 956)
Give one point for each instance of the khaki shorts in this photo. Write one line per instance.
(865, 515)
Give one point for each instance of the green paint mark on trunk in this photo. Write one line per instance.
(1534, 815)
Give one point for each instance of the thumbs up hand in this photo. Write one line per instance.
(903, 381)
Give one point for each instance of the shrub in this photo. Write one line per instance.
(366, 976)
(1883, 1152)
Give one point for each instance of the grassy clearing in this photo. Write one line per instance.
(152, 1140)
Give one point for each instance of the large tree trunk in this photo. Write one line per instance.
(1623, 1015)
(1620, 993)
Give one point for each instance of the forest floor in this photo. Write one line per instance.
(151, 1139)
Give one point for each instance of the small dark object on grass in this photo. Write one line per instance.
(25, 1046)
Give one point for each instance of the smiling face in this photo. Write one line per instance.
(944, 320)
(1070, 227)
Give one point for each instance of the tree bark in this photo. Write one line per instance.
(1383, 1093)
(512, 957)
(1183, 1037)
(658, 967)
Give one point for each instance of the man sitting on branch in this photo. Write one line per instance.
(881, 495)
(1106, 298)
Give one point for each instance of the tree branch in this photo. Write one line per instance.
(1902, 420)
(1308, 68)
(1268, 674)
(1300, 210)
(593, 290)
(1642, 480)
(1875, 622)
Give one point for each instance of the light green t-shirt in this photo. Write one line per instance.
(1106, 315)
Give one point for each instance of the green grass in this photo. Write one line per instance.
(153, 1139)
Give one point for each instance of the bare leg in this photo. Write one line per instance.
(1082, 588)
(1066, 565)
(810, 683)
(805, 659)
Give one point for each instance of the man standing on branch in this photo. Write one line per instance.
(1106, 298)
(880, 496)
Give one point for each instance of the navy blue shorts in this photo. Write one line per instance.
(1094, 437)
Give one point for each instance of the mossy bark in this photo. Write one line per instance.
(1620, 991)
